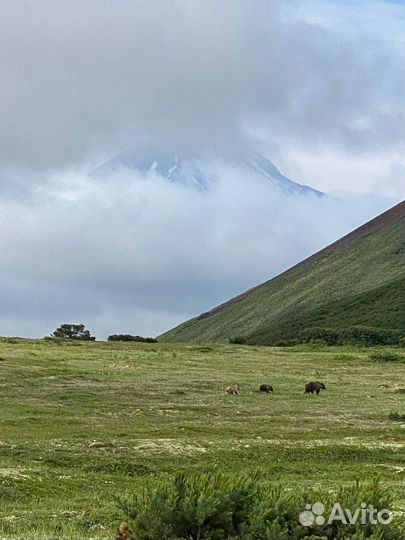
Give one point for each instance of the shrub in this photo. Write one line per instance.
(385, 356)
(396, 417)
(368, 336)
(196, 506)
(238, 340)
(8, 340)
(128, 337)
(203, 315)
(212, 506)
(203, 349)
(10, 493)
(326, 336)
(356, 335)
(73, 331)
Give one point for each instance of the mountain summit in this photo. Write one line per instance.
(202, 171)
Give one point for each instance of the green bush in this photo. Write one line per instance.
(238, 340)
(128, 337)
(212, 506)
(326, 336)
(386, 356)
(8, 340)
(356, 335)
(397, 417)
(368, 336)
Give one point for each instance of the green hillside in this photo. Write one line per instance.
(357, 281)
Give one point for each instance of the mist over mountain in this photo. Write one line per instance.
(133, 252)
(200, 172)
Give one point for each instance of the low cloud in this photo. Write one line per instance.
(86, 78)
(135, 253)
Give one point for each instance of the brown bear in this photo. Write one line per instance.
(321, 385)
(315, 386)
(234, 389)
(266, 388)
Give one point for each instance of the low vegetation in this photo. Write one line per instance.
(214, 506)
(128, 337)
(397, 417)
(388, 356)
(85, 423)
(357, 335)
(362, 336)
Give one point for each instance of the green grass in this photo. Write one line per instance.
(358, 281)
(85, 423)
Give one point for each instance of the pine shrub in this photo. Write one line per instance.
(213, 506)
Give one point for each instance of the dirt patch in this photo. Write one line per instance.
(170, 446)
(92, 383)
(9, 472)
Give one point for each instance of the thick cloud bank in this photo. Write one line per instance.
(135, 253)
(90, 78)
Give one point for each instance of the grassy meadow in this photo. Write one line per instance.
(83, 424)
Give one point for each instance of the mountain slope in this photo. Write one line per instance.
(200, 172)
(358, 280)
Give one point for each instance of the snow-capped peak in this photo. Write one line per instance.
(199, 172)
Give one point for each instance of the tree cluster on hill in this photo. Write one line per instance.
(357, 335)
(79, 332)
(128, 337)
(364, 336)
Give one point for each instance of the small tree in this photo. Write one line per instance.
(73, 331)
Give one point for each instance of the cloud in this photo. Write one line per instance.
(317, 85)
(137, 253)
(342, 172)
(88, 78)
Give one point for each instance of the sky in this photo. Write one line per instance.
(316, 85)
